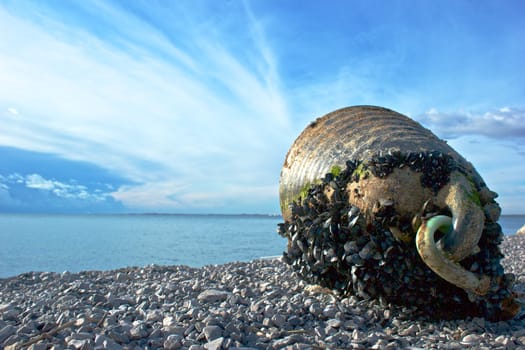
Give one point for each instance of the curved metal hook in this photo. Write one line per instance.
(441, 264)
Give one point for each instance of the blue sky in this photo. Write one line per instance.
(191, 106)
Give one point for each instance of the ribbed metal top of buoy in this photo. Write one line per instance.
(352, 133)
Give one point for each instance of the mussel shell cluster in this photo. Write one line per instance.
(332, 243)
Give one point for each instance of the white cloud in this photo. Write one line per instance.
(61, 189)
(38, 182)
(503, 123)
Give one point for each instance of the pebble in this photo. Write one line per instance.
(212, 332)
(410, 331)
(213, 295)
(215, 344)
(6, 332)
(173, 342)
(278, 320)
(470, 339)
(261, 304)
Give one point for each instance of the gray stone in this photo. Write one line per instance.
(214, 344)
(196, 347)
(99, 339)
(27, 329)
(173, 342)
(350, 324)
(121, 277)
(410, 331)
(330, 311)
(110, 344)
(319, 332)
(116, 302)
(213, 295)
(177, 330)
(470, 339)
(153, 316)
(212, 332)
(278, 320)
(291, 339)
(503, 340)
(212, 321)
(330, 331)
(80, 336)
(10, 315)
(6, 332)
(38, 346)
(316, 309)
(118, 336)
(169, 321)
(334, 323)
(84, 344)
(6, 307)
(138, 331)
(294, 321)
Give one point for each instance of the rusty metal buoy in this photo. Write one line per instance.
(376, 205)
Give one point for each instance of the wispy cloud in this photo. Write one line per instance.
(178, 119)
(503, 123)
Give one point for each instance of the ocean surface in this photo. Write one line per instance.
(102, 242)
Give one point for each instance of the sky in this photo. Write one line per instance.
(191, 106)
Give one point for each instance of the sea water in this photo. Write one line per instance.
(75, 243)
(101, 242)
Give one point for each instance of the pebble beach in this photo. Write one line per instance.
(242, 305)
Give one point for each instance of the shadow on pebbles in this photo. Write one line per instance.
(255, 305)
